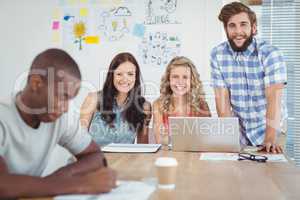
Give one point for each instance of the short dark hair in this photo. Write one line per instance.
(235, 8)
(58, 60)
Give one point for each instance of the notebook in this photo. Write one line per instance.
(131, 148)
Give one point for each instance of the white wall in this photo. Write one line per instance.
(26, 31)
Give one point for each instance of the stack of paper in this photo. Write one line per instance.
(235, 156)
(133, 190)
(131, 148)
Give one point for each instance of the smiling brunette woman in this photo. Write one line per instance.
(118, 113)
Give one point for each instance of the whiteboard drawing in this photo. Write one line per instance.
(79, 31)
(159, 48)
(74, 28)
(170, 5)
(114, 23)
(161, 12)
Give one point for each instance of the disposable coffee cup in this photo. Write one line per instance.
(166, 172)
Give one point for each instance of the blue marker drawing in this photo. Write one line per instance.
(67, 17)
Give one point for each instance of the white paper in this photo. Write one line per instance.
(234, 156)
(275, 158)
(219, 156)
(131, 148)
(126, 190)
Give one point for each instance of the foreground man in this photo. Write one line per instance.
(33, 123)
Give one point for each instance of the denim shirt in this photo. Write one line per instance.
(103, 134)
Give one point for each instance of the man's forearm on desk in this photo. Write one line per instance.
(15, 186)
(89, 160)
(82, 166)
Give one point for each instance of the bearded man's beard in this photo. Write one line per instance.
(243, 47)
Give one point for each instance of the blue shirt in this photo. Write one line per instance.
(103, 134)
(246, 75)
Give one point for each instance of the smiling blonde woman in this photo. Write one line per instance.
(181, 94)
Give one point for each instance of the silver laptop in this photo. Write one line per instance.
(205, 134)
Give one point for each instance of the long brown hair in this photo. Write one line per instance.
(133, 108)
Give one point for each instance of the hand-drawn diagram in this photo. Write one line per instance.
(170, 5)
(79, 30)
(159, 48)
(114, 23)
(161, 12)
(75, 28)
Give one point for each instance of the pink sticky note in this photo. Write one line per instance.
(55, 25)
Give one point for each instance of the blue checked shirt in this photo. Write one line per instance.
(246, 75)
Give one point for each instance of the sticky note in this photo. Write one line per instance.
(62, 2)
(117, 2)
(104, 1)
(72, 2)
(83, 1)
(83, 12)
(55, 25)
(55, 37)
(56, 14)
(139, 30)
(91, 39)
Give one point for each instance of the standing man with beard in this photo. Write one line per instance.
(248, 76)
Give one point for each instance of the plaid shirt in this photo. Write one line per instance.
(246, 75)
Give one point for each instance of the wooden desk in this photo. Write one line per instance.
(212, 179)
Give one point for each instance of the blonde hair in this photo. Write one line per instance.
(195, 96)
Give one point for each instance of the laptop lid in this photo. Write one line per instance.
(205, 134)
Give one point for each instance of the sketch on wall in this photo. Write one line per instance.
(74, 29)
(161, 12)
(158, 48)
(85, 24)
(114, 24)
(79, 30)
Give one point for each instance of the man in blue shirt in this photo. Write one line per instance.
(248, 76)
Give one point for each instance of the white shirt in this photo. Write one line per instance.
(27, 150)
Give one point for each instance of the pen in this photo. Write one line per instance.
(104, 162)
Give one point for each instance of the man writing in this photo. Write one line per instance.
(33, 123)
(248, 76)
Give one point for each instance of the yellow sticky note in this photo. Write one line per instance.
(104, 1)
(117, 2)
(83, 1)
(83, 12)
(55, 37)
(91, 39)
(72, 2)
(56, 13)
